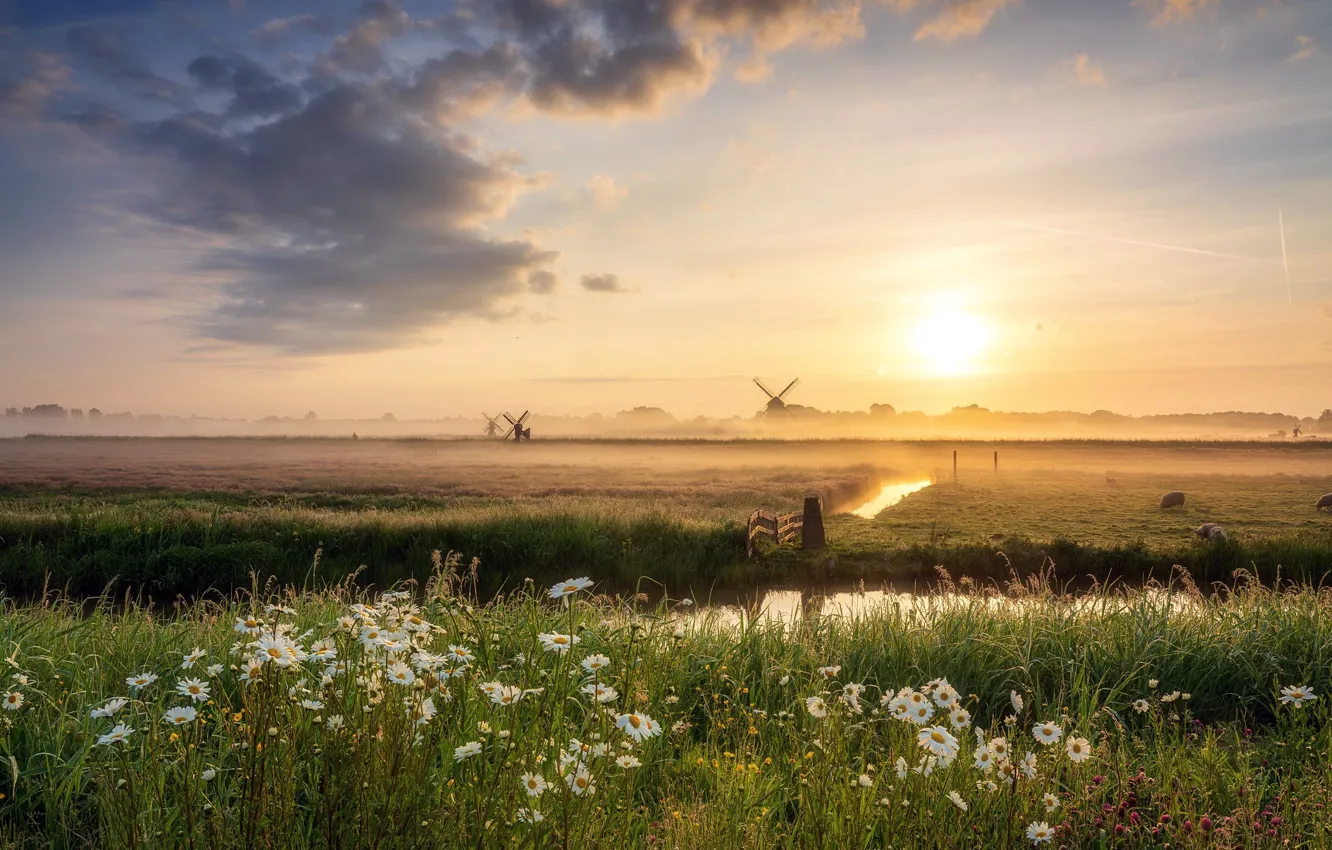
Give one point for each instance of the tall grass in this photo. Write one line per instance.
(739, 757)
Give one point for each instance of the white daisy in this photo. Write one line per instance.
(1050, 801)
(599, 692)
(1297, 695)
(180, 716)
(1047, 733)
(530, 816)
(13, 701)
(565, 589)
(627, 762)
(195, 689)
(1142, 706)
(959, 717)
(816, 707)
(957, 800)
(830, 671)
(192, 657)
(141, 680)
(472, 748)
(581, 782)
(1016, 698)
(1039, 832)
(533, 784)
(938, 741)
(118, 734)
(555, 642)
(110, 708)
(593, 663)
(250, 625)
(1079, 749)
(638, 726)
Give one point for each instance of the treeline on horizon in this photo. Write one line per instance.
(881, 420)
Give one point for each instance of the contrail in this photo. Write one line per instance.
(1281, 223)
(1159, 245)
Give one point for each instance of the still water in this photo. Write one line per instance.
(890, 495)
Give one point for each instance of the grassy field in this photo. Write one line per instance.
(437, 721)
(190, 516)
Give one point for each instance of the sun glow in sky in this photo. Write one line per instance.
(436, 208)
(950, 342)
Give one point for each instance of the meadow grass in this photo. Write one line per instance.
(422, 718)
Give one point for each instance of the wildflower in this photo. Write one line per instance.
(489, 688)
(192, 657)
(555, 642)
(120, 733)
(1047, 733)
(1039, 832)
(1050, 801)
(1297, 695)
(593, 663)
(679, 633)
(638, 726)
(1079, 749)
(983, 759)
(213, 669)
(141, 680)
(921, 714)
(195, 689)
(250, 625)
(999, 748)
(1142, 706)
(507, 695)
(829, 672)
(180, 716)
(400, 674)
(533, 784)
(945, 695)
(312, 704)
(1152, 683)
(565, 589)
(938, 741)
(865, 781)
(1028, 765)
(627, 762)
(1015, 698)
(1170, 697)
(279, 649)
(901, 767)
(208, 775)
(599, 692)
(959, 717)
(334, 722)
(425, 712)
(816, 707)
(110, 708)
(957, 800)
(581, 783)
(472, 748)
(253, 671)
(13, 700)
(530, 816)
(324, 650)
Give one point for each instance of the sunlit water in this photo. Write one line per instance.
(890, 495)
(787, 607)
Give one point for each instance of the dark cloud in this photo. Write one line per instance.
(256, 92)
(102, 48)
(339, 203)
(602, 283)
(543, 282)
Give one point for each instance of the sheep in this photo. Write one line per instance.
(1217, 534)
(1325, 502)
(1205, 530)
(1173, 499)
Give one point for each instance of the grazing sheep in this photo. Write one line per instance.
(1325, 502)
(1112, 482)
(1173, 499)
(1205, 530)
(1217, 534)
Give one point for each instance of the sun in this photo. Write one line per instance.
(950, 341)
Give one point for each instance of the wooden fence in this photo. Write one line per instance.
(785, 528)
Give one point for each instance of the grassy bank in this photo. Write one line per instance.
(1167, 707)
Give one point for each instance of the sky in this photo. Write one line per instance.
(264, 207)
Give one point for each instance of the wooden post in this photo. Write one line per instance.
(954, 466)
(811, 533)
(996, 462)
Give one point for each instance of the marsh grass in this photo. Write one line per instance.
(740, 760)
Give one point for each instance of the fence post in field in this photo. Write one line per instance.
(996, 462)
(954, 466)
(811, 536)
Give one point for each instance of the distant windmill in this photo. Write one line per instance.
(518, 432)
(492, 425)
(776, 406)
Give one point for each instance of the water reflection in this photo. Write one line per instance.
(890, 495)
(788, 607)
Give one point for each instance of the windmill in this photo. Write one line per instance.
(776, 407)
(492, 426)
(518, 432)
